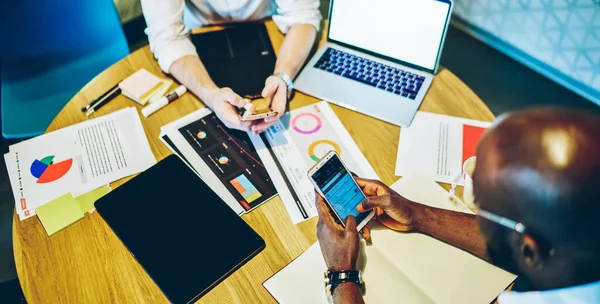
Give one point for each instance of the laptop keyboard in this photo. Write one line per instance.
(372, 73)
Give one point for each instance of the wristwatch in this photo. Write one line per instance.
(288, 82)
(334, 278)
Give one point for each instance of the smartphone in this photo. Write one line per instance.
(335, 183)
(260, 114)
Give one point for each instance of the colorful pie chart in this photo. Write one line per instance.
(201, 135)
(306, 123)
(223, 160)
(46, 171)
(325, 146)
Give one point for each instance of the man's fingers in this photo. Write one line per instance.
(363, 182)
(323, 210)
(372, 187)
(372, 202)
(320, 204)
(350, 223)
(261, 126)
(270, 87)
(233, 121)
(239, 125)
(235, 99)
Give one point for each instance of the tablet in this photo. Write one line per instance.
(184, 236)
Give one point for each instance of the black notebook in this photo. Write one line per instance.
(184, 236)
(240, 57)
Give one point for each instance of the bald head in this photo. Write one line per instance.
(541, 167)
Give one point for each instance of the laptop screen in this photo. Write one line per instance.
(407, 30)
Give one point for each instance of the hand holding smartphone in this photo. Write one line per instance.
(262, 111)
(335, 183)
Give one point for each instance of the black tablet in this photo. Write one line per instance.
(184, 236)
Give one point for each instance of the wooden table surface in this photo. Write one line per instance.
(86, 263)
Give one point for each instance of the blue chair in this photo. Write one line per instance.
(50, 50)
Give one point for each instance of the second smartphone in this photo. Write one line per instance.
(335, 183)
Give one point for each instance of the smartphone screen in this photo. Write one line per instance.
(339, 188)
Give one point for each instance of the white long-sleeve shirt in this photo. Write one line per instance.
(169, 21)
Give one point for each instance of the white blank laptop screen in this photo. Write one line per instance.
(407, 30)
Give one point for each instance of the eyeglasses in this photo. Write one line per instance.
(492, 217)
(500, 220)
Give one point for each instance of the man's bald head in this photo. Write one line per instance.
(542, 168)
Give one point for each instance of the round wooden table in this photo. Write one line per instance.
(86, 263)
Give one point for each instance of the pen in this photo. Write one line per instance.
(91, 104)
(116, 90)
(163, 101)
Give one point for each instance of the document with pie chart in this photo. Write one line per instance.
(295, 143)
(77, 159)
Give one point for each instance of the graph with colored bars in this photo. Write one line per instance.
(246, 188)
(232, 159)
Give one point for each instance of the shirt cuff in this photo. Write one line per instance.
(284, 22)
(173, 51)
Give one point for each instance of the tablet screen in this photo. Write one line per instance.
(184, 236)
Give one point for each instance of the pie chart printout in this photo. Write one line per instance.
(47, 171)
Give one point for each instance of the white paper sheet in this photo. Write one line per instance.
(401, 267)
(77, 159)
(437, 145)
(295, 143)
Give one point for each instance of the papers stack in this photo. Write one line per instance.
(298, 141)
(224, 159)
(437, 145)
(76, 160)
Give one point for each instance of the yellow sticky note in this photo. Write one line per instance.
(86, 201)
(59, 213)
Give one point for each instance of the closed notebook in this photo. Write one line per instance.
(143, 86)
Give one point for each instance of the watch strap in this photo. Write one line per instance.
(288, 81)
(335, 278)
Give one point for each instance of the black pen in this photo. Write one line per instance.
(91, 104)
(111, 94)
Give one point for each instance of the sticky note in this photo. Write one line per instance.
(59, 213)
(86, 201)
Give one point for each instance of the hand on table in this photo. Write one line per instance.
(276, 93)
(225, 103)
(339, 245)
(391, 209)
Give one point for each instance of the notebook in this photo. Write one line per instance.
(401, 267)
(185, 251)
(143, 86)
(241, 57)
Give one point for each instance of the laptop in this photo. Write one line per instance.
(380, 57)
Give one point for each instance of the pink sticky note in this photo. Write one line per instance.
(140, 83)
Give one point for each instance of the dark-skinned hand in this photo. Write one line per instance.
(391, 209)
(339, 245)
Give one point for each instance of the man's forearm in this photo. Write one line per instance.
(295, 49)
(190, 71)
(456, 228)
(347, 293)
